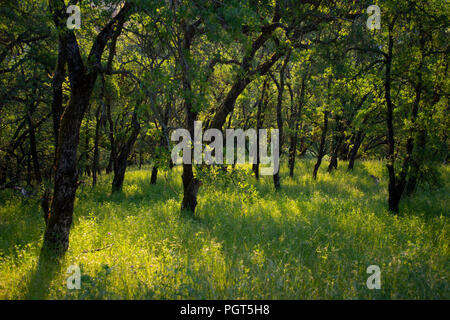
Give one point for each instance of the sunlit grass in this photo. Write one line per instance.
(311, 240)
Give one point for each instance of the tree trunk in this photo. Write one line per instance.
(82, 80)
(121, 164)
(421, 140)
(33, 149)
(29, 170)
(297, 124)
(292, 152)
(191, 187)
(190, 184)
(395, 188)
(112, 163)
(246, 66)
(56, 237)
(96, 146)
(57, 84)
(3, 171)
(303, 147)
(322, 145)
(276, 176)
(397, 184)
(338, 139)
(119, 174)
(416, 163)
(354, 152)
(111, 160)
(87, 171)
(154, 175)
(259, 121)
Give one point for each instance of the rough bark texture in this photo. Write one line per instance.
(82, 79)
(293, 151)
(33, 148)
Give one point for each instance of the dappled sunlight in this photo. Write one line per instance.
(312, 239)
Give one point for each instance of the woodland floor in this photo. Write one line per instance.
(311, 240)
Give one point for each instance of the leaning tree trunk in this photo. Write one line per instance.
(121, 163)
(119, 172)
(82, 79)
(354, 151)
(3, 172)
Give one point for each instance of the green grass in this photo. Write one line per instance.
(311, 240)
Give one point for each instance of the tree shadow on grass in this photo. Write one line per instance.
(21, 228)
(41, 278)
(426, 204)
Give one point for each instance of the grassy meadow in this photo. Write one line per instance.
(311, 240)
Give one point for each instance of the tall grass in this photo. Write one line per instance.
(311, 240)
